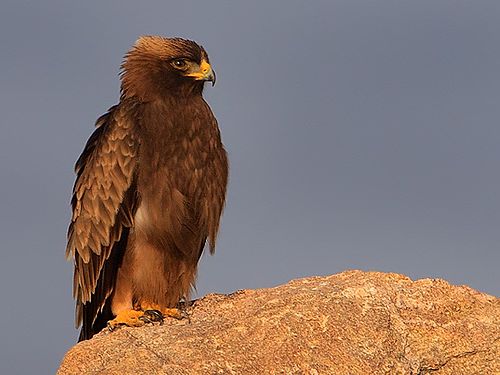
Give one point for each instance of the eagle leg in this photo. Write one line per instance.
(130, 318)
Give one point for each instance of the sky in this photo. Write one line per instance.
(361, 135)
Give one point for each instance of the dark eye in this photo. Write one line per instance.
(179, 63)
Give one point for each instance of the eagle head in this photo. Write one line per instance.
(157, 67)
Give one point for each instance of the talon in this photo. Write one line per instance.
(184, 314)
(145, 319)
(150, 309)
(182, 308)
(152, 316)
(113, 325)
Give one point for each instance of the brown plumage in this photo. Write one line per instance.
(150, 187)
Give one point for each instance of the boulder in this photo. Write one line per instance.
(351, 323)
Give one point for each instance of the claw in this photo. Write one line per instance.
(152, 316)
(111, 327)
(183, 310)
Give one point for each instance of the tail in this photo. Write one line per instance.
(90, 314)
(90, 328)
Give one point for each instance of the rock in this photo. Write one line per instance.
(351, 323)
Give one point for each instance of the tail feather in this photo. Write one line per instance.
(89, 329)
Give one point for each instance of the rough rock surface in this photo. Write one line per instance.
(351, 323)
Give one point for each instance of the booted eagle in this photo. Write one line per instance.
(150, 189)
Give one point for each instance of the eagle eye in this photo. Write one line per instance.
(179, 64)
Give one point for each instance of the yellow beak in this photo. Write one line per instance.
(205, 73)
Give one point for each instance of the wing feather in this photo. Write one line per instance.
(103, 202)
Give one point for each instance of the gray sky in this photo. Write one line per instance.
(361, 134)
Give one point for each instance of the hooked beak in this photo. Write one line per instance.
(204, 74)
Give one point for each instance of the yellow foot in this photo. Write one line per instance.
(130, 318)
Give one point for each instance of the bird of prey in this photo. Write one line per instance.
(150, 190)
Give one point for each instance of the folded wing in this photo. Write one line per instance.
(104, 200)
